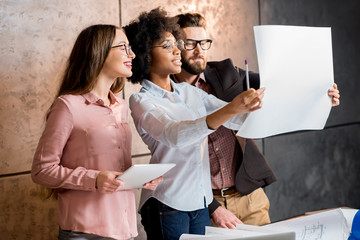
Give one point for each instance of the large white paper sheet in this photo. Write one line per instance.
(296, 68)
(328, 225)
(215, 233)
(349, 216)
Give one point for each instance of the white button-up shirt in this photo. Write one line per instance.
(173, 125)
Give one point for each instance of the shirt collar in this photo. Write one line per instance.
(91, 98)
(158, 91)
(201, 76)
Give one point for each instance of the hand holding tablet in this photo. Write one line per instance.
(139, 174)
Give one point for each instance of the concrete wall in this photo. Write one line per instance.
(316, 169)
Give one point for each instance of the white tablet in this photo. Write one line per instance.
(139, 174)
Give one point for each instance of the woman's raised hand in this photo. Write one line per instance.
(248, 101)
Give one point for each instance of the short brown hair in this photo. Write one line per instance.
(191, 20)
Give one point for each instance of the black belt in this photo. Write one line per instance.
(224, 192)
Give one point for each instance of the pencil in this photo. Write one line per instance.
(247, 75)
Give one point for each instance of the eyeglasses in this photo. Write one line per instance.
(191, 44)
(124, 47)
(170, 45)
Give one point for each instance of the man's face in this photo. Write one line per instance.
(194, 61)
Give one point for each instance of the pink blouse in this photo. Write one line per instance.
(82, 137)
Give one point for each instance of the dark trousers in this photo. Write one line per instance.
(162, 222)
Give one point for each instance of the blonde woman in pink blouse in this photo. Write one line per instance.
(86, 142)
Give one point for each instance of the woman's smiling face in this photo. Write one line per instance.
(165, 56)
(118, 62)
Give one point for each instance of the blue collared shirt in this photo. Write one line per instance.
(173, 126)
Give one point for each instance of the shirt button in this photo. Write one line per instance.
(216, 149)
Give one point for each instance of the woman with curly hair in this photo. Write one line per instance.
(174, 121)
(86, 142)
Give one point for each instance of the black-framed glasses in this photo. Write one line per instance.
(124, 47)
(170, 45)
(190, 44)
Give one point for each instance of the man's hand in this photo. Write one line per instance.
(335, 95)
(224, 218)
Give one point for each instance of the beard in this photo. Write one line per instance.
(194, 68)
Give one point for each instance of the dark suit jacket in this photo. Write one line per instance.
(254, 171)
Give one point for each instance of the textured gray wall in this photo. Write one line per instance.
(320, 169)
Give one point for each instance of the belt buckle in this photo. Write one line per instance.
(222, 192)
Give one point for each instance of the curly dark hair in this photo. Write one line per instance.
(142, 33)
